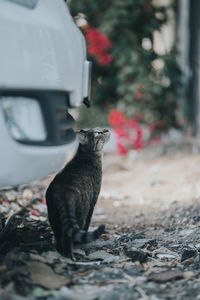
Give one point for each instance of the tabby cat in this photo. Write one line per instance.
(73, 193)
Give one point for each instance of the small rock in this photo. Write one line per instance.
(60, 268)
(27, 194)
(187, 232)
(84, 263)
(33, 217)
(154, 297)
(51, 256)
(140, 280)
(111, 259)
(41, 293)
(131, 237)
(99, 244)
(188, 253)
(105, 237)
(188, 275)
(136, 254)
(196, 219)
(116, 204)
(142, 243)
(165, 256)
(197, 246)
(102, 255)
(37, 257)
(79, 252)
(11, 195)
(197, 259)
(164, 253)
(41, 208)
(169, 229)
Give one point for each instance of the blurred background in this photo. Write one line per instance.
(145, 78)
(146, 90)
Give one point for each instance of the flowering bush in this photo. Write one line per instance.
(128, 132)
(128, 73)
(98, 45)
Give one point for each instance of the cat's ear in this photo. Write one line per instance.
(82, 137)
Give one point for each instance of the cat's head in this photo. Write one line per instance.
(94, 138)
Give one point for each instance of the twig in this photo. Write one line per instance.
(142, 293)
(9, 221)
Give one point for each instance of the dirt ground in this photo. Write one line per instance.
(150, 204)
(149, 189)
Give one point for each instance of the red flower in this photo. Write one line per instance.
(138, 95)
(104, 41)
(94, 36)
(116, 118)
(138, 142)
(121, 149)
(98, 44)
(94, 50)
(105, 59)
(128, 132)
(132, 123)
(91, 35)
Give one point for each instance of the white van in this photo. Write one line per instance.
(43, 73)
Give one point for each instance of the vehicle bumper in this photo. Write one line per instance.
(25, 161)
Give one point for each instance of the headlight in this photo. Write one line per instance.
(24, 119)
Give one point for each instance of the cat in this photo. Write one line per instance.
(73, 193)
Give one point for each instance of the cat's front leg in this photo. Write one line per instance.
(90, 213)
(67, 247)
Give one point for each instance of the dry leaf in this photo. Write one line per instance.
(166, 275)
(44, 276)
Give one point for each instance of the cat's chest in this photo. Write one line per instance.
(92, 171)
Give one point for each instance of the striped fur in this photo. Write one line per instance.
(73, 193)
(73, 230)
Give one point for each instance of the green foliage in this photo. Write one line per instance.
(138, 80)
(88, 117)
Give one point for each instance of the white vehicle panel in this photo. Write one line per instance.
(43, 54)
(43, 58)
(22, 161)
